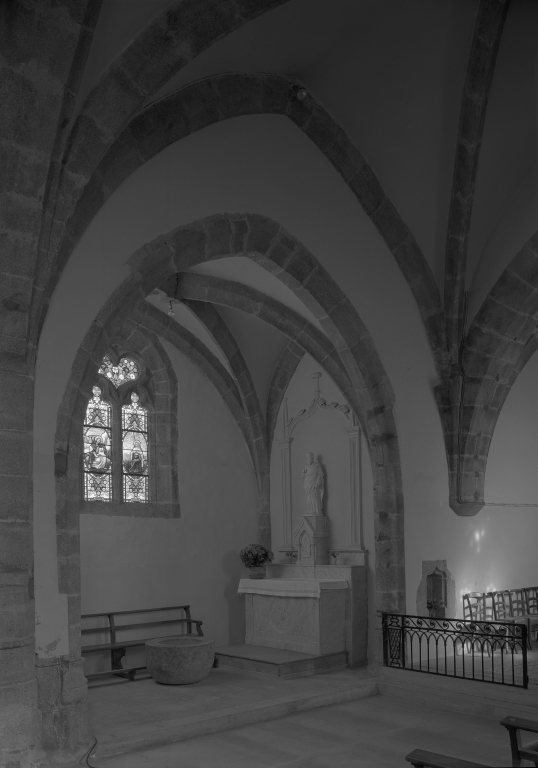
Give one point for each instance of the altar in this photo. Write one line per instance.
(314, 601)
(304, 615)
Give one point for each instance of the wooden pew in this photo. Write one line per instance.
(118, 647)
(423, 759)
(521, 751)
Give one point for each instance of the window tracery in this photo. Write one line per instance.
(97, 449)
(116, 438)
(134, 438)
(126, 370)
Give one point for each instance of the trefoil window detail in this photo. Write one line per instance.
(98, 449)
(134, 440)
(126, 370)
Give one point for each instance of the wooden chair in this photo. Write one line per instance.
(501, 609)
(518, 609)
(501, 605)
(531, 594)
(478, 606)
(422, 759)
(521, 751)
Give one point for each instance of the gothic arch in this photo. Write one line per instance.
(226, 96)
(282, 375)
(238, 296)
(208, 316)
(264, 240)
(496, 348)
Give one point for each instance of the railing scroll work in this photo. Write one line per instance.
(489, 651)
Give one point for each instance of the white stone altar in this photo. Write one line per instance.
(305, 615)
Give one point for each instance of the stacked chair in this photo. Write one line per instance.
(517, 606)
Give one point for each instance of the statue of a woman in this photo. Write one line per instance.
(314, 484)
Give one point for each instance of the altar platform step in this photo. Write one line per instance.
(277, 661)
(134, 715)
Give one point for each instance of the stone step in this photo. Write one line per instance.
(477, 698)
(274, 698)
(277, 661)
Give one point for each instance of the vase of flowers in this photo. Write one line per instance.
(254, 557)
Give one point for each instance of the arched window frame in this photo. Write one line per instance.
(117, 398)
(161, 393)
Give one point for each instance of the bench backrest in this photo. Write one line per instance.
(113, 628)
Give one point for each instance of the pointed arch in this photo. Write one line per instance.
(223, 97)
(259, 238)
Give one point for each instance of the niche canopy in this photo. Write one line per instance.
(126, 370)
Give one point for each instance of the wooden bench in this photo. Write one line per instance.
(521, 751)
(423, 759)
(118, 647)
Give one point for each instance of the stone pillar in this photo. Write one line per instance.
(355, 489)
(19, 716)
(285, 458)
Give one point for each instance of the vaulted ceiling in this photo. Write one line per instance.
(426, 109)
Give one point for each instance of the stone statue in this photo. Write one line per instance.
(314, 484)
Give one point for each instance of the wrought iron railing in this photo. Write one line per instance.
(489, 651)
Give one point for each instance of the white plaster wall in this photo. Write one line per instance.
(512, 471)
(129, 563)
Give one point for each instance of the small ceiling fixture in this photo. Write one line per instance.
(301, 94)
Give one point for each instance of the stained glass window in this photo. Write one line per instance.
(127, 369)
(134, 439)
(97, 449)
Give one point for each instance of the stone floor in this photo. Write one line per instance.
(162, 724)
(478, 666)
(126, 715)
(375, 731)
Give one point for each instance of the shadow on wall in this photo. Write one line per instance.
(231, 570)
(326, 483)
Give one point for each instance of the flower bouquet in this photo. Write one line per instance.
(254, 558)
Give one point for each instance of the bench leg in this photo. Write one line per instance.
(515, 744)
(116, 655)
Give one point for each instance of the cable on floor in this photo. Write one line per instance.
(86, 756)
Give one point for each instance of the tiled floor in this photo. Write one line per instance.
(372, 732)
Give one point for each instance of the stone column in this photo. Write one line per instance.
(19, 716)
(285, 459)
(355, 489)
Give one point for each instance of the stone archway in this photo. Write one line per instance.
(259, 238)
(222, 97)
(370, 394)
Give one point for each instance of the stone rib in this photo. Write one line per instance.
(488, 29)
